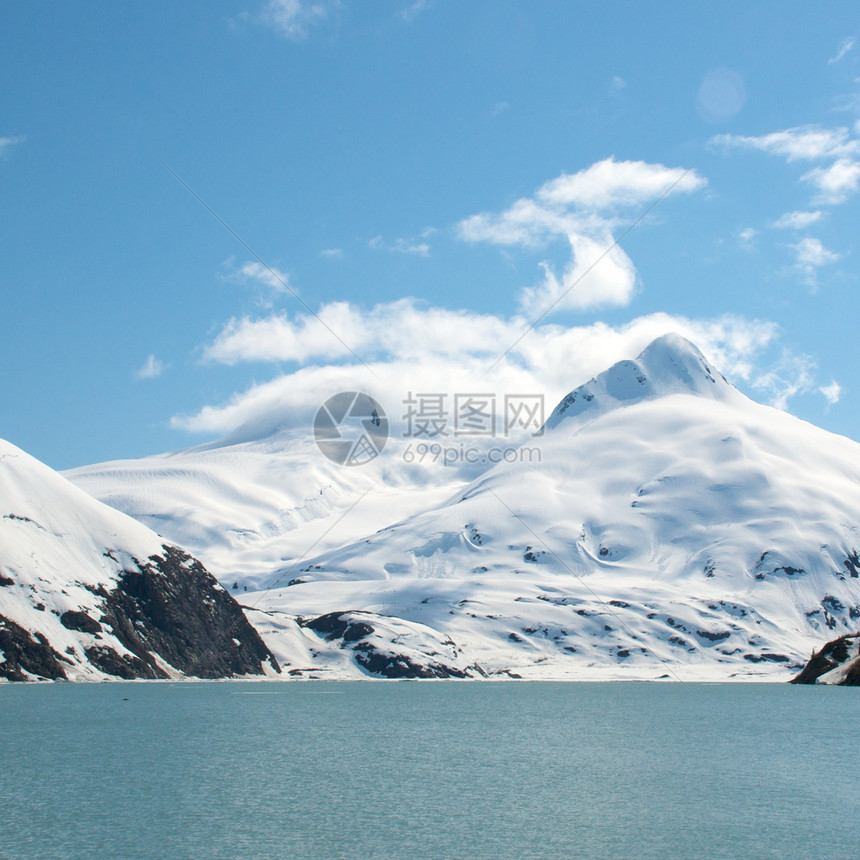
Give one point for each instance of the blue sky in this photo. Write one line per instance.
(428, 178)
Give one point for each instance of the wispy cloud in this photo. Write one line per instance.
(274, 279)
(811, 255)
(746, 237)
(845, 46)
(790, 375)
(835, 181)
(410, 346)
(412, 10)
(585, 208)
(150, 369)
(332, 253)
(797, 220)
(809, 143)
(294, 18)
(417, 246)
(6, 143)
(831, 392)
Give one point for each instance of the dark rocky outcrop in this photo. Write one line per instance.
(838, 652)
(392, 665)
(172, 606)
(381, 654)
(74, 620)
(166, 610)
(25, 655)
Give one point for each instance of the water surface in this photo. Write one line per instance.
(438, 769)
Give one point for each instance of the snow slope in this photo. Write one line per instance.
(664, 526)
(672, 527)
(73, 571)
(245, 508)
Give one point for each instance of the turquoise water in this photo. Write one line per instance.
(441, 769)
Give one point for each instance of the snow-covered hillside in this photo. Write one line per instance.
(671, 527)
(246, 508)
(88, 593)
(663, 526)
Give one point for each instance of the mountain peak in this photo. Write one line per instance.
(671, 364)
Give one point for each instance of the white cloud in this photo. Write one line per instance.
(293, 18)
(585, 208)
(592, 278)
(412, 10)
(7, 143)
(332, 253)
(411, 347)
(617, 83)
(836, 182)
(803, 143)
(276, 280)
(797, 220)
(831, 392)
(402, 328)
(811, 252)
(811, 255)
(791, 375)
(150, 369)
(611, 184)
(746, 236)
(404, 246)
(845, 46)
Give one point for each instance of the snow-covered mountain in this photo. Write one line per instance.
(86, 592)
(246, 508)
(664, 525)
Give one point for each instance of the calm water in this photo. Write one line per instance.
(428, 770)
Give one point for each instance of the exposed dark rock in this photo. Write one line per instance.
(21, 519)
(24, 653)
(831, 603)
(383, 658)
(400, 666)
(168, 606)
(356, 631)
(125, 666)
(767, 657)
(713, 636)
(80, 621)
(172, 606)
(6, 581)
(832, 655)
(333, 625)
